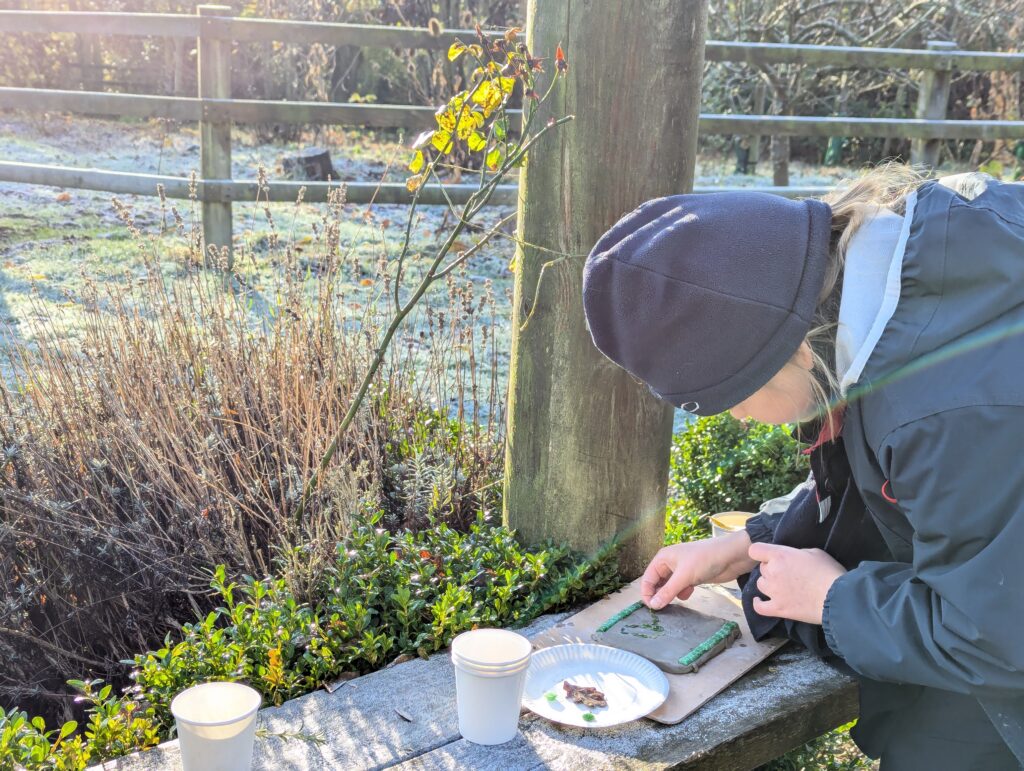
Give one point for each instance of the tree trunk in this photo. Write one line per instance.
(588, 447)
(346, 68)
(311, 164)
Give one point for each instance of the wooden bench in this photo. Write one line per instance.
(404, 717)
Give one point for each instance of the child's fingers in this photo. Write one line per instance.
(762, 586)
(765, 607)
(676, 584)
(762, 552)
(653, 577)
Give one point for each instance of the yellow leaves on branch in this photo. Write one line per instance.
(418, 161)
(455, 50)
(474, 116)
(445, 116)
(489, 95)
(442, 140)
(469, 122)
(476, 142)
(491, 68)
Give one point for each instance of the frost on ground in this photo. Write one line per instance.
(52, 239)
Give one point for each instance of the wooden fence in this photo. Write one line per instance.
(215, 29)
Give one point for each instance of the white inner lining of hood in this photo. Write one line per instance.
(877, 249)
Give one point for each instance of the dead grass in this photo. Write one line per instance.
(159, 420)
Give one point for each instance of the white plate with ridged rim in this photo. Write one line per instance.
(632, 685)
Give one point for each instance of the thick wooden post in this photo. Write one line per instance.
(588, 447)
(932, 103)
(214, 136)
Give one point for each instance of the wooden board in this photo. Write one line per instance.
(686, 693)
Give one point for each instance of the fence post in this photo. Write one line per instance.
(755, 141)
(778, 144)
(587, 458)
(932, 102)
(779, 149)
(178, 66)
(214, 135)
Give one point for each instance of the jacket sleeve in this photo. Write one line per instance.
(761, 527)
(801, 518)
(954, 617)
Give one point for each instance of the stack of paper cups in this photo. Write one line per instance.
(490, 672)
(216, 726)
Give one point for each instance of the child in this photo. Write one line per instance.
(891, 313)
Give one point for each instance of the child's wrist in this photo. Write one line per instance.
(743, 563)
(736, 561)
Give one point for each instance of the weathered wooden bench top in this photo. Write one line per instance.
(404, 717)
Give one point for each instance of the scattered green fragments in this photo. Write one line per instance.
(589, 717)
(551, 696)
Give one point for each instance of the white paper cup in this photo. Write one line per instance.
(490, 672)
(728, 522)
(216, 726)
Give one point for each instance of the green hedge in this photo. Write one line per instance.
(391, 594)
(387, 595)
(723, 464)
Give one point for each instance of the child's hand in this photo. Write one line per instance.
(796, 581)
(676, 569)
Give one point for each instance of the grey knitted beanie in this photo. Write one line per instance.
(705, 297)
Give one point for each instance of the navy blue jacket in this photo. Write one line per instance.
(934, 435)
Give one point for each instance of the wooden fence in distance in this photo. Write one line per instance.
(215, 29)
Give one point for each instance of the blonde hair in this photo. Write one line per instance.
(853, 203)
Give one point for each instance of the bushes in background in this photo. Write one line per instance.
(163, 425)
(723, 464)
(385, 596)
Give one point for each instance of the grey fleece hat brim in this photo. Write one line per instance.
(706, 297)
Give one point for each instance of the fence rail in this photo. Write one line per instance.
(372, 36)
(404, 116)
(214, 28)
(187, 108)
(229, 190)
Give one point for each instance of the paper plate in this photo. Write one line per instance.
(633, 686)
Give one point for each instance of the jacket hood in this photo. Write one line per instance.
(955, 283)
